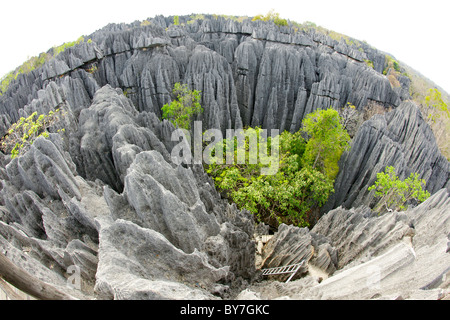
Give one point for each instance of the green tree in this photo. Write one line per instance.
(186, 105)
(288, 196)
(395, 193)
(327, 141)
(304, 181)
(436, 106)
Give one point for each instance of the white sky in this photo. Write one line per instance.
(415, 32)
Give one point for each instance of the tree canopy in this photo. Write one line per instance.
(304, 180)
(327, 141)
(181, 110)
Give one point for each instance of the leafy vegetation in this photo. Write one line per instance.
(395, 193)
(437, 114)
(391, 64)
(369, 63)
(145, 23)
(186, 105)
(28, 66)
(393, 70)
(195, 17)
(229, 17)
(24, 132)
(271, 16)
(305, 175)
(424, 93)
(436, 106)
(309, 26)
(57, 50)
(327, 141)
(287, 196)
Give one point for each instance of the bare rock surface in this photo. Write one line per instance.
(405, 256)
(99, 210)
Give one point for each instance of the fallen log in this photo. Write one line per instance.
(28, 283)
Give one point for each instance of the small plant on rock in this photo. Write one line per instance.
(24, 132)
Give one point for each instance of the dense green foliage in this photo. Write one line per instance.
(327, 141)
(287, 195)
(181, 110)
(395, 193)
(369, 63)
(24, 132)
(305, 175)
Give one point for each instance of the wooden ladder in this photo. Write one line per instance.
(293, 268)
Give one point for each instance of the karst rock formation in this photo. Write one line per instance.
(104, 196)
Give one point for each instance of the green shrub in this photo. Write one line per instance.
(272, 16)
(181, 110)
(57, 50)
(391, 63)
(93, 68)
(196, 17)
(369, 63)
(395, 193)
(24, 132)
(437, 115)
(6, 80)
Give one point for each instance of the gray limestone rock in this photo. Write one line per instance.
(400, 255)
(104, 195)
(401, 139)
(292, 245)
(135, 262)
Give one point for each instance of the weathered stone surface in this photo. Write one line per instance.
(400, 255)
(146, 60)
(356, 234)
(135, 261)
(292, 245)
(211, 74)
(48, 216)
(401, 139)
(105, 197)
(407, 269)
